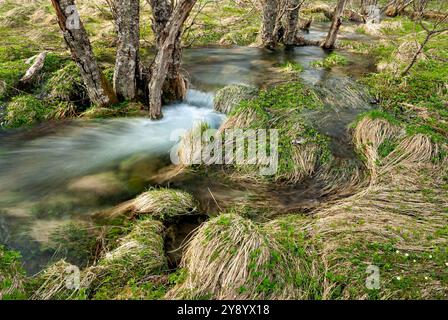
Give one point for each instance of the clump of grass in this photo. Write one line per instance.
(229, 97)
(302, 149)
(75, 242)
(136, 256)
(162, 204)
(331, 61)
(12, 275)
(66, 84)
(231, 257)
(123, 109)
(26, 110)
(292, 67)
(392, 223)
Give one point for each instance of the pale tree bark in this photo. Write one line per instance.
(33, 72)
(366, 5)
(335, 25)
(291, 22)
(126, 65)
(98, 89)
(172, 33)
(270, 15)
(174, 87)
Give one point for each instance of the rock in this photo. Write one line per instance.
(104, 184)
(231, 96)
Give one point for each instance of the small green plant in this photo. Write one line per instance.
(11, 275)
(292, 67)
(26, 110)
(331, 61)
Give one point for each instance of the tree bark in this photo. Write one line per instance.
(126, 65)
(99, 90)
(172, 33)
(397, 7)
(335, 25)
(291, 23)
(174, 87)
(270, 15)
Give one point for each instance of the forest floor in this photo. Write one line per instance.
(392, 221)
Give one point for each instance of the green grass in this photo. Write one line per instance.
(282, 108)
(11, 275)
(26, 110)
(331, 61)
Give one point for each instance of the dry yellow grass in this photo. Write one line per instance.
(138, 255)
(160, 204)
(234, 258)
(391, 208)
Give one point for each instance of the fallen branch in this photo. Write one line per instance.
(32, 73)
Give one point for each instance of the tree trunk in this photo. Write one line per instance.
(172, 33)
(396, 7)
(99, 90)
(126, 65)
(174, 87)
(270, 14)
(291, 23)
(335, 25)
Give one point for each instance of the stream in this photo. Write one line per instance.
(61, 172)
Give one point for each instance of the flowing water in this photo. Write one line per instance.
(62, 172)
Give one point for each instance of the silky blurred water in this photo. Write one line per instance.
(56, 173)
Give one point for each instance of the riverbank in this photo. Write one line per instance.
(357, 209)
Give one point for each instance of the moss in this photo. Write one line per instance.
(138, 255)
(386, 148)
(66, 84)
(292, 67)
(229, 97)
(283, 108)
(123, 109)
(26, 110)
(75, 242)
(16, 52)
(10, 74)
(331, 61)
(11, 275)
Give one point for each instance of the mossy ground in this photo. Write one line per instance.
(419, 99)
(398, 224)
(12, 275)
(284, 108)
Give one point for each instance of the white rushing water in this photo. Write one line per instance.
(83, 147)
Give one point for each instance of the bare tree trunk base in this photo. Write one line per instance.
(306, 25)
(174, 89)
